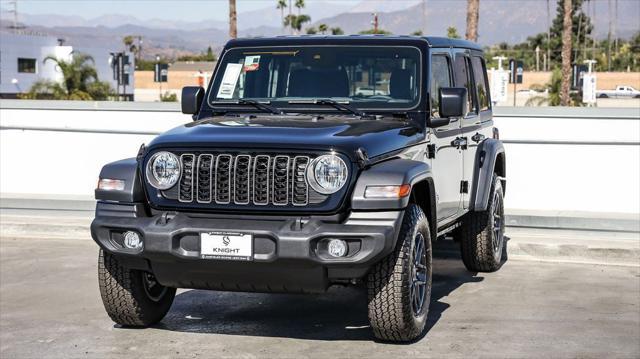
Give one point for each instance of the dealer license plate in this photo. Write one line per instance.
(226, 245)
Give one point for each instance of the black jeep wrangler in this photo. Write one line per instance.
(310, 161)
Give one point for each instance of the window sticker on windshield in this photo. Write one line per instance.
(229, 81)
(251, 63)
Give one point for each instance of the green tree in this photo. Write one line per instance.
(168, 97)
(80, 81)
(452, 33)
(311, 30)
(323, 28)
(128, 42)
(208, 55)
(296, 22)
(336, 31)
(375, 32)
(417, 33)
(581, 28)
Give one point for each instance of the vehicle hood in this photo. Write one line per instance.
(294, 132)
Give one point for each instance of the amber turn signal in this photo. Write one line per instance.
(387, 191)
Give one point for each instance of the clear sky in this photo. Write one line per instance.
(188, 10)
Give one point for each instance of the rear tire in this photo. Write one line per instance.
(399, 286)
(482, 234)
(131, 297)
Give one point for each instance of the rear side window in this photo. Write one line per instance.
(463, 79)
(440, 77)
(482, 85)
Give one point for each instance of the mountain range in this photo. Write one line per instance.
(510, 21)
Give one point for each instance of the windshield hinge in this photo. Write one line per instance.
(363, 158)
(431, 150)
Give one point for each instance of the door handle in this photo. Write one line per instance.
(478, 137)
(460, 143)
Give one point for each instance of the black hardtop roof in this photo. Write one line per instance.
(353, 39)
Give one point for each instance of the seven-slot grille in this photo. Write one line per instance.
(243, 179)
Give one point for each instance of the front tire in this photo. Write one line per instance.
(399, 286)
(131, 297)
(482, 234)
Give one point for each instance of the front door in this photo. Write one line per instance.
(447, 162)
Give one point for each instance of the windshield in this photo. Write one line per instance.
(380, 77)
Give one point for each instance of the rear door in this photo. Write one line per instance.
(476, 125)
(447, 161)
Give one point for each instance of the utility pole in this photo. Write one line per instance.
(15, 14)
(537, 58)
(547, 63)
(615, 27)
(375, 22)
(139, 49)
(609, 38)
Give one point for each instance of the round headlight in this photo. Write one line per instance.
(163, 170)
(327, 174)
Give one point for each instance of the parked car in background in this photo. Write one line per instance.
(620, 92)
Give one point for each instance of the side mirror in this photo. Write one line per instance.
(453, 102)
(192, 97)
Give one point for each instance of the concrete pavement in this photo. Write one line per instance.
(50, 307)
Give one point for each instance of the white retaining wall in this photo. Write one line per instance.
(558, 159)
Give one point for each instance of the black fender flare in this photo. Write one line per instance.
(126, 170)
(490, 157)
(394, 172)
(397, 172)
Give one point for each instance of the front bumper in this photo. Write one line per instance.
(288, 254)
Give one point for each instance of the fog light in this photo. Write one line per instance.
(337, 248)
(132, 240)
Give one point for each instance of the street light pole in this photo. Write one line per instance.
(159, 82)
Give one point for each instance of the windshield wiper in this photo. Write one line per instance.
(342, 105)
(262, 106)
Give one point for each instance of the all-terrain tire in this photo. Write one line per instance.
(126, 295)
(481, 245)
(389, 284)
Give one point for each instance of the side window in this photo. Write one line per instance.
(463, 79)
(482, 85)
(440, 77)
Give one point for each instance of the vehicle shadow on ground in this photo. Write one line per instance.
(339, 314)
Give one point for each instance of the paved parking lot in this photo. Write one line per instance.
(50, 307)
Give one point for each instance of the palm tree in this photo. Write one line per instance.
(80, 81)
(300, 4)
(565, 99)
(282, 4)
(473, 9)
(296, 21)
(233, 20)
(452, 32)
(323, 28)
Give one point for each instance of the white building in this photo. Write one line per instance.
(22, 62)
